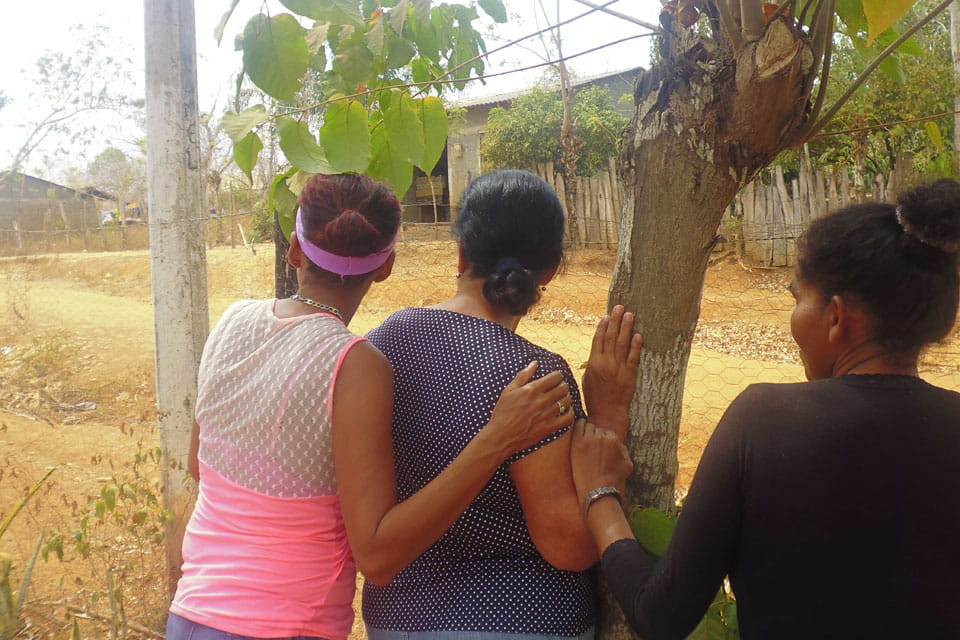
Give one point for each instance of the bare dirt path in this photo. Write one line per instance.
(77, 389)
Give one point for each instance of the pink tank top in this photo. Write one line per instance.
(265, 551)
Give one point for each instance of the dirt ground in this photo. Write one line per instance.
(77, 395)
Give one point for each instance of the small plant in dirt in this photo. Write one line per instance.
(12, 599)
(122, 535)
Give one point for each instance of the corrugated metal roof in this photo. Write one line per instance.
(510, 95)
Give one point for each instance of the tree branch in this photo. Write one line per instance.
(786, 6)
(751, 19)
(730, 25)
(821, 33)
(815, 128)
(824, 58)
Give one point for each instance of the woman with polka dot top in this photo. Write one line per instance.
(292, 441)
(515, 564)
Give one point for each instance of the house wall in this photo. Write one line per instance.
(37, 205)
(463, 146)
(463, 152)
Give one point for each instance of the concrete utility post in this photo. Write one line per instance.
(177, 243)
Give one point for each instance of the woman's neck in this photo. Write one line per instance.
(345, 301)
(870, 358)
(469, 300)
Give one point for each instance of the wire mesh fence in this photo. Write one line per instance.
(743, 335)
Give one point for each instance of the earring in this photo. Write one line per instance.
(543, 287)
(459, 274)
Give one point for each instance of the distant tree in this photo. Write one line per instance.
(915, 85)
(68, 86)
(124, 177)
(528, 132)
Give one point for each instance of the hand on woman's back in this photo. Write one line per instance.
(530, 410)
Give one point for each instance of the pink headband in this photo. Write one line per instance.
(341, 265)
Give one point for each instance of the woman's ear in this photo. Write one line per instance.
(385, 269)
(837, 315)
(848, 321)
(548, 276)
(294, 252)
(462, 263)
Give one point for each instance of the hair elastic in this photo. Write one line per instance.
(507, 263)
(341, 265)
(909, 229)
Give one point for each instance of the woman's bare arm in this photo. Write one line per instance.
(386, 536)
(544, 478)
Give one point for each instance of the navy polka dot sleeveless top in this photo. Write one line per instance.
(485, 573)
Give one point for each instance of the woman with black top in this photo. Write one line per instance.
(831, 504)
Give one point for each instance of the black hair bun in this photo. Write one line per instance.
(515, 290)
(931, 214)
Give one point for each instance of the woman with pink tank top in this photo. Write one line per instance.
(292, 445)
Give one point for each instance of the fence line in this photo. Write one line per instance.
(220, 229)
(771, 213)
(597, 205)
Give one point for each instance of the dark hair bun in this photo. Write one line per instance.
(515, 290)
(352, 229)
(931, 214)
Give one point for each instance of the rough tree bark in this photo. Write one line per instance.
(706, 120)
(955, 52)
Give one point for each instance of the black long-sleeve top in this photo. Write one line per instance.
(833, 506)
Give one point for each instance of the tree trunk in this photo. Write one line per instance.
(955, 51)
(285, 277)
(177, 244)
(706, 120)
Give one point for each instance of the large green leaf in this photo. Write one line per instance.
(275, 55)
(246, 152)
(883, 14)
(355, 64)
(298, 181)
(345, 136)
(283, 202)
(441, 18)
(851, 12)
(376, 35)
(933, 132)
(399, 51)
(433, 116)
(404, 128)
(424, 34)
(399, 15)
(335, 11)
(300, 147)
(420, 69)
(317, 37)
(653, 529)
(494, 9)
(891, 67)
(238, 125)
(389, 165)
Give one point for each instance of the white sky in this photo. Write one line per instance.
(28, 30)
